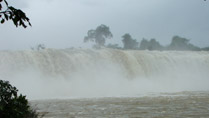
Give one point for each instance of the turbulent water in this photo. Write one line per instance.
(85, 83)
(164, 105)
(73, 73)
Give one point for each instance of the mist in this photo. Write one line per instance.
(81, 73)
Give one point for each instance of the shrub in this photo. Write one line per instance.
(13, 105)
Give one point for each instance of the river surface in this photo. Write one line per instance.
(161, 105)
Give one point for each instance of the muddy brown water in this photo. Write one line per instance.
(163, 105)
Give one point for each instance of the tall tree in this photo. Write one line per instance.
(150, 45)
(154, 45)
(180, 43)
(144, 44)
(99, 35)
(10, 13)
(129, 42)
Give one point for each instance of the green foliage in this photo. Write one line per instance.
(144, 44)
(129, 42)
(10, 13)
(155, 45)
(150, 45)
(99, 35)
(179, 43)
(13, 105)
(102, 32)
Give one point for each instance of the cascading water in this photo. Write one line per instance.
(65, 73)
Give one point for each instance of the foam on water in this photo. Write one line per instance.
(68, 73)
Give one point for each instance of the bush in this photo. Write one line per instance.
(13, 105)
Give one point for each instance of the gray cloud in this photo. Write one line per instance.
(64, 23)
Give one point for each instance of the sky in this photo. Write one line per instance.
(64, 23)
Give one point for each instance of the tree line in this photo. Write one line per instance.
(102, 32)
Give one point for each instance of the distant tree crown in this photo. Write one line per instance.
(129, 42)
(99, 35)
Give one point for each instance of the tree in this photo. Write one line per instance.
(154, 45)
(144, 44)
(99, 35)
(150, 45)
(129, 42)
(179, 43)
(13, 105)
(10, 13)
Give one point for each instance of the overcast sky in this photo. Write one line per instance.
(64, 23)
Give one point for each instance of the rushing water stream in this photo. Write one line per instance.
(175, 105)
(116, 82)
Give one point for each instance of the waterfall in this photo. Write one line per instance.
(107, 72)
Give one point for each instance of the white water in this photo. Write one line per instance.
(103, 73)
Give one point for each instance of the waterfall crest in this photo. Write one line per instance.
(120, 71)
